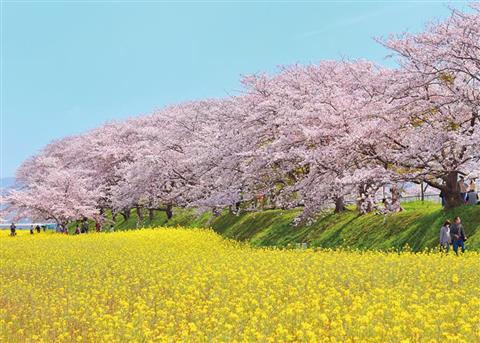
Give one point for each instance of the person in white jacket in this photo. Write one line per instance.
(445, 239)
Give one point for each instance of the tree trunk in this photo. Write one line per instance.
(361, 197)
(451, 190)
(139, 216)
(396, 205)
(169, 211)
(151, 214)
(125, 214)
(339, 205)
(422, 192)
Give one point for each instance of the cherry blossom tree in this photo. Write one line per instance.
(158, 174)
(51, 189)
(314, 136)
(435, 98)
(314, 131)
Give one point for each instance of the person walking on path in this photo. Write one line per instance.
(445, 239)
(458, 236)
(13, 230)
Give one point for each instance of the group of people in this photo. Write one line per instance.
(61, 229)
(454, 235)
(467, 192)
(81, 227)
(38, 228)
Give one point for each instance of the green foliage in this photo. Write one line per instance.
(418, 227)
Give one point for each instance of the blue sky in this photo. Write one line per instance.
(71, 66)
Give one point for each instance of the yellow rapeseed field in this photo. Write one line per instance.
(192, 286)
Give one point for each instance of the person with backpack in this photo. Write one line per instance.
(445, 238)
(457, 233)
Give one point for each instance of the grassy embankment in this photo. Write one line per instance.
(417, 226)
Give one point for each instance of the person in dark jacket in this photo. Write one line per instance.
(442, 196)
(458, 235)
(13, 230)
(472, 198)
(84, 227)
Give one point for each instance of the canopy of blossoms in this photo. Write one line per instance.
(310, 136)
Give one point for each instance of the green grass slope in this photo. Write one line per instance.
(418, 226)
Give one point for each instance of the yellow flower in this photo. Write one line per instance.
(184, 285)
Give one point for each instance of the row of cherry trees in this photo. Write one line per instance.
(310, 136)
